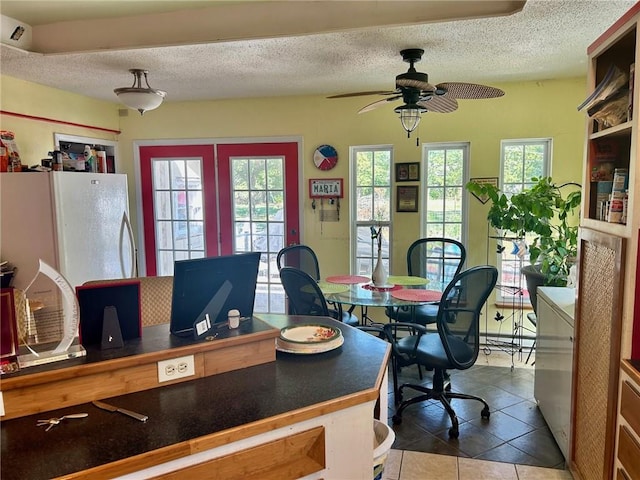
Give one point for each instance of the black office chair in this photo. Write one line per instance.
(454, 347)
(437, 259)
(304, 258)
(301, 257)
(303, 292)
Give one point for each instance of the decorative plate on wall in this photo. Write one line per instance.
(325, 157)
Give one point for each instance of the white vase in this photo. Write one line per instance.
(379, 275)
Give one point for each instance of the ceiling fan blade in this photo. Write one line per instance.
(360, 94)
(379, 103)
(469, 90)
(439, 104)
(415, 83)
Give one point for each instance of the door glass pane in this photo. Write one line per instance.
(178, 211)
(258, 222)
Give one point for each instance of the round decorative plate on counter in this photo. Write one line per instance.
(308, 339)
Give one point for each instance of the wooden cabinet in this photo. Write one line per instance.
(607, 317)
(610, 144)
(628, 460)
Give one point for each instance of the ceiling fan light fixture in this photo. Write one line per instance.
(409, 116)
(139, 97)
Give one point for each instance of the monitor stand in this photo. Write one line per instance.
(111, 334)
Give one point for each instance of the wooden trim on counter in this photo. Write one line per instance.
(287, 458)
(43, 391)
(631, 370)
(304, 451)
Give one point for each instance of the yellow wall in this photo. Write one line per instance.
(528, 110)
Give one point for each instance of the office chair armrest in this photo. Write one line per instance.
(411, 327)
(375, 329)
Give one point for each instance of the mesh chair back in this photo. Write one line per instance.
(304, 294)
(300, 257)
(438, 259)
(459, 317)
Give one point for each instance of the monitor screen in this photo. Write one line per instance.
(210, 287)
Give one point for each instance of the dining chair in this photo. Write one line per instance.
(305, 296)
(301, 257)
(304, 258)
(303, 292)
(455, 346)
(437, 259)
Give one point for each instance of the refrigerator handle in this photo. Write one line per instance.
(126, 224)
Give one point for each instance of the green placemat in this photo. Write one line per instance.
(406, 280)
(327, 287)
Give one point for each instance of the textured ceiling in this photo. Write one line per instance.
(547, 39)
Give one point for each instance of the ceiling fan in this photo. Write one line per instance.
(419, 96)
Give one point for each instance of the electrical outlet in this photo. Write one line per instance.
(176, 368)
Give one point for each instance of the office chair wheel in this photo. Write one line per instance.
(454, 432)
(485, 413)
(396, 419)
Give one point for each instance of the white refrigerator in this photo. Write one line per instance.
(76, 222)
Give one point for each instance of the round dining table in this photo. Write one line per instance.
(400, 291)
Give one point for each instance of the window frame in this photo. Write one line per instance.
(355, 224)
(426, 148)
(505, 295)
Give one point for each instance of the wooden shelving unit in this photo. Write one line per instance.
(607, 318)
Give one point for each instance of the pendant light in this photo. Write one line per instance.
(138, 97)
(410, 116)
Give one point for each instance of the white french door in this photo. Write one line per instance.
(219, 199)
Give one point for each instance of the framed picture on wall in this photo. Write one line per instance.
(484, 181)
(408, 172)
(407, 199)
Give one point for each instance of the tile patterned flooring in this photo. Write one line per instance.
(515, 443)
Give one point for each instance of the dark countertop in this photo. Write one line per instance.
(185, 411)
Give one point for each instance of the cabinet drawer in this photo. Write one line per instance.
(630, 406)
(621, 475)
(629, 452)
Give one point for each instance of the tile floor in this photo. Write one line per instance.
(515, 443)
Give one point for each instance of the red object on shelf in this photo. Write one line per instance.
(635, 337)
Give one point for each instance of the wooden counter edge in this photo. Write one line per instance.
(131, 361)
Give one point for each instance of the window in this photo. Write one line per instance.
(520, 161)
(371, 206)
(444, 200)
(178, 211)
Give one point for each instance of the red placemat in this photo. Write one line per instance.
(417, 295)
(349, 279)
(370, 286)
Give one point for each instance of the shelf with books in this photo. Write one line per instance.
(608, 269)
(610, 130)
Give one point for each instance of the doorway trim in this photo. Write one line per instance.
(137, 144)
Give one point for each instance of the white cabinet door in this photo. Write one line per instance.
(554, 357)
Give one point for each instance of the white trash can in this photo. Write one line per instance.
(384, 437)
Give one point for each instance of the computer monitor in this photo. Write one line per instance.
(207, 288)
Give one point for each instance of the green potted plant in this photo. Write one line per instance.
(542, 211)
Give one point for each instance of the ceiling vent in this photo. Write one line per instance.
(15, 33)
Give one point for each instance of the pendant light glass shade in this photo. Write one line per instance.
(409, 116)
(138, 97)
